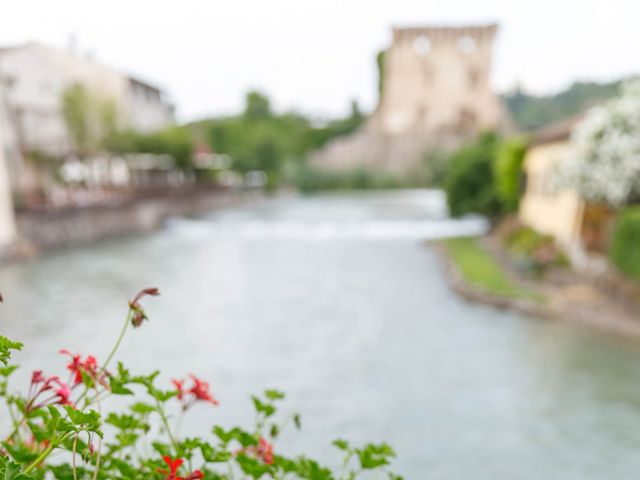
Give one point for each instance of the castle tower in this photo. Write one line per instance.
(437, 81)
(436, 94)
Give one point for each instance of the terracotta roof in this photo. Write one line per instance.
(555, 132)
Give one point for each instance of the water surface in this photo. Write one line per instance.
(337, 300)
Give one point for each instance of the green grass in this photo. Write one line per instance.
(481, 270)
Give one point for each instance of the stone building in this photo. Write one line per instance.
(7, 213)
(436, 92)
(34, 77)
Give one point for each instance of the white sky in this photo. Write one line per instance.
(316, 55)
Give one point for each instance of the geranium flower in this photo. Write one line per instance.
(198, 391)
(138, 313)
(179, 384)
(173, 465)
(265, 451)
(89, 367)
(195, 475)
(61, 391)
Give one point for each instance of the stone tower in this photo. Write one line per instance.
(436, 93)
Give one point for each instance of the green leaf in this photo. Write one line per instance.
(374, 456)
(274, 394)
(297, 421)
(251, 466)
(8, 370)
(262, 407)
(6, 346)
(342, 445)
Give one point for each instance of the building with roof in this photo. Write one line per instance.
(35, 77)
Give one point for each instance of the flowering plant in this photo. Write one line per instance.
(605, 166)
(65, 416)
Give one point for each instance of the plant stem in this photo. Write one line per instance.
(165, 422)
(73, 457)
(40, 459)
(119, 341)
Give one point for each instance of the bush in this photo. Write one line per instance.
(507, 171)
(61, 427)
(174, 141)
(625, 245)
(469, 181)
(532, 250)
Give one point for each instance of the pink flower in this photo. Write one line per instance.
(37, 377)
(265, 451)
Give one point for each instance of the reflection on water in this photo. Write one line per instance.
(336, 300)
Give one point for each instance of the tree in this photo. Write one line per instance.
(507, 170)
(605, 167)
(76, 110)
(90, 118)
(257, 106)
(469, 181)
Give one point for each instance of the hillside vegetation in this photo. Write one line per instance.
(532, 111)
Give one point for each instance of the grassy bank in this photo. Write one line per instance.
(480, 269)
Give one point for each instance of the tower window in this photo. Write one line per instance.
(422, 45)
(466, 44)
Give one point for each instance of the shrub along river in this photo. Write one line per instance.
(337, 300)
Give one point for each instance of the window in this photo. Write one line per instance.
(466, 44)
(422, 45)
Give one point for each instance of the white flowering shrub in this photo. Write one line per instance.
(606, 165)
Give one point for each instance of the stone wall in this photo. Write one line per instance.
(53, 229)
(436, 94)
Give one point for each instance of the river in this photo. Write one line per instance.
(337, 300)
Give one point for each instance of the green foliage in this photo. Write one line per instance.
(380, 59)
(469, 181)
(625, 244)
(257, 106)
(89, 118)
(480, 269)
(174, 141)
(532, 251)
(309, 179)
(507, 171)
(140, 442)
(6, 346)
(530, 111)
(262, 140)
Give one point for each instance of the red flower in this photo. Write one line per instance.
(74, 366)
(37, 377)
(195, 475)
(89, 367)
(173, 468)
(265, 451)
(199, 390)
(179, 384)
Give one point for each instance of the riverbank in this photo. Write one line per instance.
(605, 302)
(42, 230)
